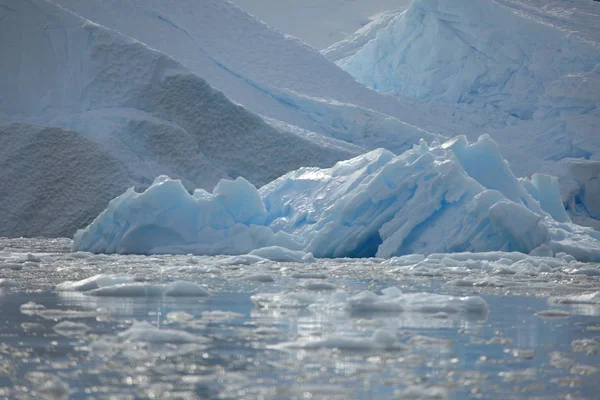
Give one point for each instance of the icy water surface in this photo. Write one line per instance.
(257, 329)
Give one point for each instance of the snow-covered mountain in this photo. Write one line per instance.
(78, 100)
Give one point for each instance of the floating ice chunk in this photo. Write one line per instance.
(276, 253)
(68, 328)
(184, 289)
(138, 289)
(588, 298)
(421, 341)
(246, 259)
(420, 392)
(94, 282)
(179, 316)
(416, 302)
(553, 314)
(146, 332)
(218, 315)
(263, 278)
(380, 340)
(7, 283)
(542, 251)
(580, 369)
(317, 286)
(587, 346)
(284, 300)
(48, 386)
(31, 308)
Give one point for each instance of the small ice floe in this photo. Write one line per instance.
(7, 283)
(380, 340)
(526, 354)
(138, 289)
(284, 300)
(558, 360)
(31, 308)
(68, 328)
(587, 346)
(580, 369)
(281, 254)
(309, 275)
(317, 286)
(393, 300)
(146, 332)
(48, 386)
(94, 282)
(260, 278)
(421, 392)
(553, 314)
(33, 258)
(179, 316)
(588, 298)
(528, 374)
(11, 266)
(245, 259)
(420, 341)
(219, 316)
(323, 391)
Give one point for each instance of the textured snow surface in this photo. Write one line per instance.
(534, 65)
(454, 197)
(330, 21)
(81, 105)
(265, 70)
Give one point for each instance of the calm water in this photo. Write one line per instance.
(229, 348)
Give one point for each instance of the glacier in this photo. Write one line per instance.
(438, 198)
(526, 71)
(81, 105)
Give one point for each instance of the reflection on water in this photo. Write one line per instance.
(304, 339)
(222, 346)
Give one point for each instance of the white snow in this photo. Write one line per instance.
(454, 197)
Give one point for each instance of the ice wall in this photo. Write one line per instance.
(426, 200)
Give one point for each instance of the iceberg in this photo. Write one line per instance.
(439, 198)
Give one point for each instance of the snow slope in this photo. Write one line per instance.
(453, 197)
(270, 73)
(330, 21)
(126, 110)
(279, 77)
(534, 65)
